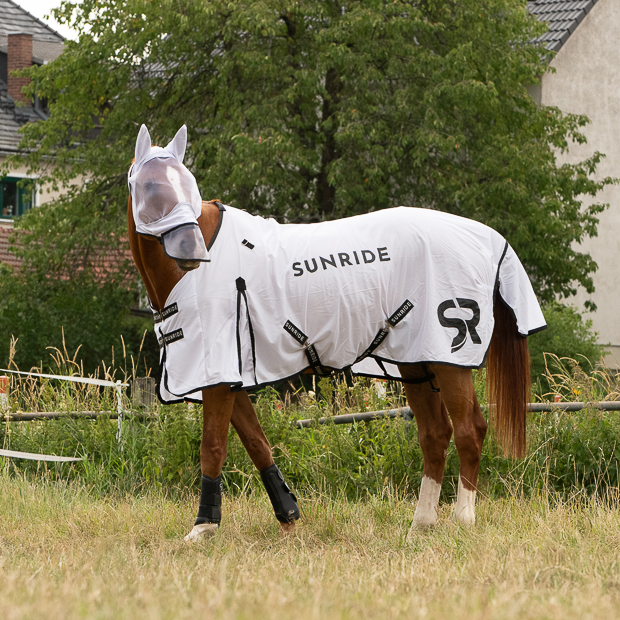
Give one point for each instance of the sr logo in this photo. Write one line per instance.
(464, 326)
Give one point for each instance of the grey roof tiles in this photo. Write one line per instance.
(47, 44)
(15, 19)
(562, 17)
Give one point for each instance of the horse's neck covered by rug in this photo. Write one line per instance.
(393, 287)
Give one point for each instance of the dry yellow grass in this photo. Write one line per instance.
(67, 554)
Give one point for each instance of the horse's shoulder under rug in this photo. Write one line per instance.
(392, 287)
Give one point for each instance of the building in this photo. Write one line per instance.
(24, 41)
(585, 35)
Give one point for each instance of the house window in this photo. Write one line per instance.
(14, 200)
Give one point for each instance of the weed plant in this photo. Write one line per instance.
(159, 447)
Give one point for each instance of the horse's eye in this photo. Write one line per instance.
(150, 187)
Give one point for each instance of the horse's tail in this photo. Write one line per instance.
(508, 381)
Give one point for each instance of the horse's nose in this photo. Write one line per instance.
(188, 265)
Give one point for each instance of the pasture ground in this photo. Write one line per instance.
(66, 552)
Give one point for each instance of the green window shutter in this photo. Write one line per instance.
(14, 200)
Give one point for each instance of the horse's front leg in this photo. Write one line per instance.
(217, 406)
(256, 443)
(434, 432)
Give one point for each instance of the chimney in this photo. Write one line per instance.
(19, 56)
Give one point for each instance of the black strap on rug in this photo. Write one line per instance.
(209, 510)
(165, 313)
(310, 349)
(170, 337)
(393, 321)
(282, 499)
(430, 377)
(241, 288)
(426, 378)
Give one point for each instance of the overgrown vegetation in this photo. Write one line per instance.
(159, 447)
(103, 538)
(568, 336)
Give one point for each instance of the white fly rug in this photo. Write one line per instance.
(398, 286)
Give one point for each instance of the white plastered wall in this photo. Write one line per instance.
(587, 81)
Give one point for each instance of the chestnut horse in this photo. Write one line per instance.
(442, 397)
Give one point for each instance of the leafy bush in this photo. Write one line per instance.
(42, 312)
(568, 452)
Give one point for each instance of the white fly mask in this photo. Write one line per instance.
(165, 198)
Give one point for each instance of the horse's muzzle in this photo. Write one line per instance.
(186, 245)
(188, 265)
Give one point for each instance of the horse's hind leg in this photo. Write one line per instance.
(256, 443)
(217, 406)
(434, 432)
(250, 431)
(459, 396)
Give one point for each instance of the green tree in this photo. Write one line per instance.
(309, 110)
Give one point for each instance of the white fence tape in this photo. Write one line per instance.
(31, 456)
(100, 382)
(119, 385)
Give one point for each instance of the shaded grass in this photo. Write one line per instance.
(65, 552)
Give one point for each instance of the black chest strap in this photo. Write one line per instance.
(241, 294)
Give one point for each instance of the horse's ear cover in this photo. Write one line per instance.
(143, 145)
(178, 144)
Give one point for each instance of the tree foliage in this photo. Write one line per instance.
(308, 110)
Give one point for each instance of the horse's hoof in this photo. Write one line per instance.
(464, 517)
(202, 531)
(287, 529)
(423, 519)
(420, 526)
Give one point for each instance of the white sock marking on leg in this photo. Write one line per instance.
(426, 510)
(464, 510)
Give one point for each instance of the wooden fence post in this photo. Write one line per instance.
(4, 397)
(143, 392)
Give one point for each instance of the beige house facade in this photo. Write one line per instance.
(586, 37)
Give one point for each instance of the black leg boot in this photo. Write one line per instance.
(282, 499)
(209, 511)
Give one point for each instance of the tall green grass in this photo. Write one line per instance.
(568, 452)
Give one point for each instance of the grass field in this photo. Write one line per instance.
(104, 538)
(66, 552)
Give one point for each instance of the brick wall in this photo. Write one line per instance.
(19, 56)
(6, 256)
